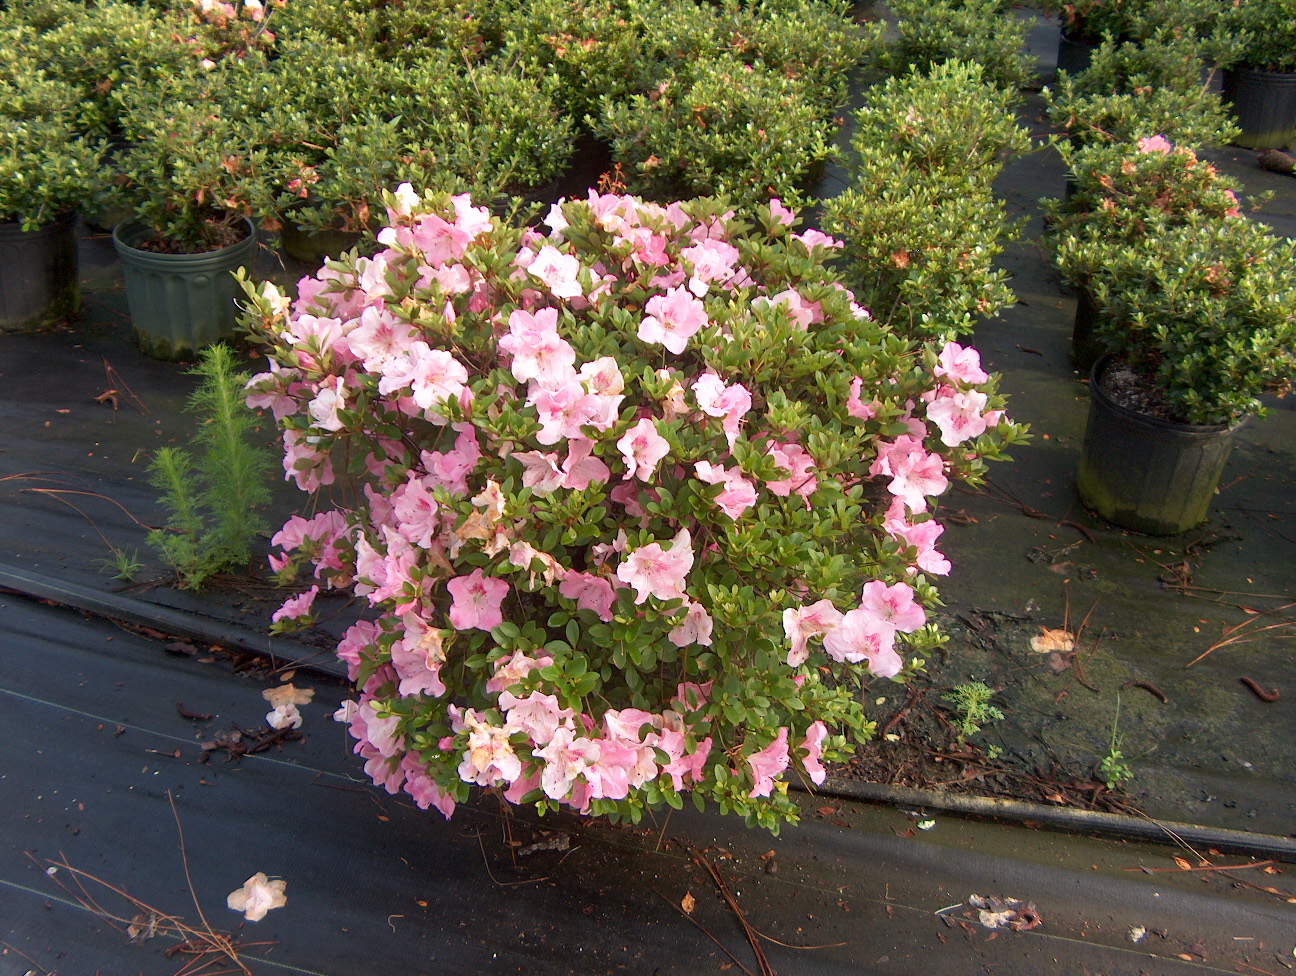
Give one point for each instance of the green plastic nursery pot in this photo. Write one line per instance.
(1264, 103)
(39, 274)
(180, 303)
(1146, 474)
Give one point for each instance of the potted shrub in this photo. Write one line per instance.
(645, 496)
(1131, 92)
(1084, 24)
(1119, 194)
(49, 169)
(931, 32)
(193, 181)
(593, 47)
(919, 219)
(1260, 81)
(343, 129)
(1197, 323)
(720, 126)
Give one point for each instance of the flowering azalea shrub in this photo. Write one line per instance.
(638, 503)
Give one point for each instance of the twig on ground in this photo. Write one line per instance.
(1231, 635)
(753, 937)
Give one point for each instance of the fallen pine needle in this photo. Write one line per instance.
(1207, 867)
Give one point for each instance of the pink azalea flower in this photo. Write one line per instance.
(960, 365)
(296, 607)
(417, 657)
(712, 261)
(590, 592)
(1154, 144)
(959, 417)
(861, 636)
(432, 375)
(813, 745)
(695, 628)
(540, 471)
(800, 467)
(284, 717)
(557, 271)
(915, 474)
(581, 467)
(378, 337)
(323, 409)
(538, 352)
(450, 469)
(854, 406)
(477, 600)
(513, 669)
(417, 511)
(739, 492)
(652, 571)
(780, 213)
(803, 313)
(538, 715)
(768, 763)
(566, 759)
(257, 896)
(473, 221)
(563, 410)
(893, 604)
(673, 319)
(812, 238)
(489, 758)
(439, 240)
(423, 789)
(730, 403)
(802, 623)
(643, 448)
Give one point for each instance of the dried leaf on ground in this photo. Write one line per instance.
(1053, 640)
(996, 912)
(688, 903)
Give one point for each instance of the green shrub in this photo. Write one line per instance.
(814, 42)
(593, 47)
(1200, 311)
(190, 173)
(727, 128)
(931, 32)
(48, 167)
(920, 223)
(1131, 92)
(1268, 30)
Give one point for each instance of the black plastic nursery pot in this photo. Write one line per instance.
(1074, 53)
(1264, 103)
(1085, 347)
(39, 275)
(180, 303)
(1146, 474)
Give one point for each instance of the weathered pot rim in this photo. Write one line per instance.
(1244, 69)
(1097, 392)
(10, 227)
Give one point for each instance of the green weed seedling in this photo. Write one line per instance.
(212, 491)
(1112, 768)
(972, 708)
